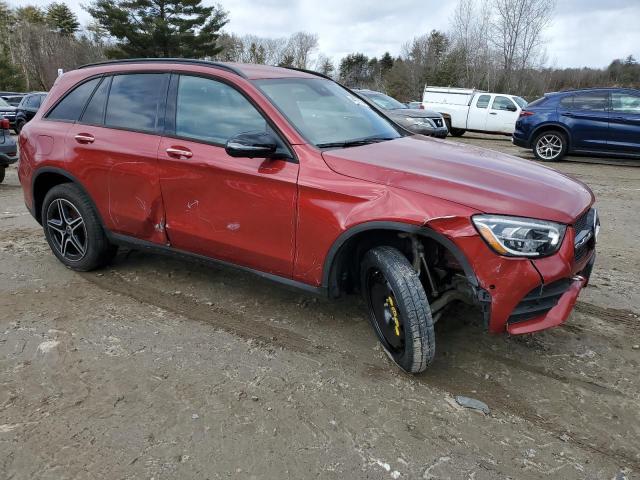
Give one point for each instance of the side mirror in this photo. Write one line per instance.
(512, 108)
(251, 145)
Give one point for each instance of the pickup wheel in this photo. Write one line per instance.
(550, 146)
(398, 308)
(457, 132)
(73, 230)
(2, 170)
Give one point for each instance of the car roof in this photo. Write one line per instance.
(592, 89)
(248, 71)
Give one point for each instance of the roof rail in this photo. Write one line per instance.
(219, 65)
(310, 72)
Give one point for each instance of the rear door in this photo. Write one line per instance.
(241, 210)
(587, 116)
(115, 147)
(624, 122)
(478, 112)
(503, 115)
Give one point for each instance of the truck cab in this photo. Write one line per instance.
(474, 110)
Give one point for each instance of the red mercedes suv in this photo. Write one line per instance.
(290, 175)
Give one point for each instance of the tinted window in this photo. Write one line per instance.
(483, 101)
(503, 103)
(37, 101)
(625, 103)
(590, 101)
(71, 105)
(567, 102)
(213, 111)
(94, 113)
(135, 101)
(384, 101)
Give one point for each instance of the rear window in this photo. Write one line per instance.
(590, 101)
(94, 113)
(538, 103)
(71, 106)
(483, 101)
(135, 101)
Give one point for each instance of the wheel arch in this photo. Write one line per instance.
(45, 179)
(550, 127)
(369, 234)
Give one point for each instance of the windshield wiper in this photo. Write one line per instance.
(354, 143)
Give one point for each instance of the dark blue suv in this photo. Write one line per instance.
(596, 120)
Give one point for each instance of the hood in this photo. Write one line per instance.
(483, 179)
(413, 113)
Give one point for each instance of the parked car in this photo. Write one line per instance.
(13, 100)
(28, 107)
(287, 174)
(474, 110)
(7, 111)
(415, 105)
(596, 121)
(8, 148)
(425, 122)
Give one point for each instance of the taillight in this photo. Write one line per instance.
(4, 124)
(526, 113)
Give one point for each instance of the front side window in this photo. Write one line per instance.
(625, 103)
(70, 107)
(590, 101)
(503, 103)
(213, 111)
(326, 114)
(483, 101)
(136, 101)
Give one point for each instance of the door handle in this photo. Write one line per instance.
(179, 152)
(567, 114)
(493, 113)
(84, 138)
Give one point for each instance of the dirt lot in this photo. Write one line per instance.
(156, 368)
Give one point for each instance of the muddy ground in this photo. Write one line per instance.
(157, 368)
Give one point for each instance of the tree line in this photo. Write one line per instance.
(496, 45)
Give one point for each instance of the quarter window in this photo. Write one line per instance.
(503, 103)
(214, 112)
(94, 113)
(625, 103)
(70, 108)
(136, 101)
(483, 101)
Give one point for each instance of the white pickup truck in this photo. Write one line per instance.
(474, 110)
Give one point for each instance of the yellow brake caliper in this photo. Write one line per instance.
(394, 314)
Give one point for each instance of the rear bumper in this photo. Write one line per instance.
(520, 142)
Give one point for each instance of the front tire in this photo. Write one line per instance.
(73, 230)
(550, 146)
(398, 308)
(2, 174)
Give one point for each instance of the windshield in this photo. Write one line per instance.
(520, 101)
(3, 103)
(384, 101)
(325, 113)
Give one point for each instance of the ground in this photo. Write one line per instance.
(157, 368)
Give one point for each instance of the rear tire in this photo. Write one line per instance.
(550, 146)
(19, 126)
(457, 132)
(398, 308)
(2, 174)
(73, 230)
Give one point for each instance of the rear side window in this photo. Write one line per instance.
(625, 103)
(136, 101)
(590, 101)
(94, 113)
(213, 111)
(71, 106)
(483, 101)
(567, 102)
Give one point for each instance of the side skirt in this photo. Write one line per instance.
(137, 244)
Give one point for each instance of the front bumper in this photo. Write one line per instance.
(438, 132)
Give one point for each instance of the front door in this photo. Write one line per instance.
(624, 123)
(502, 115)
(240, 210)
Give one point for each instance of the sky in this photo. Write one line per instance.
(583, 32)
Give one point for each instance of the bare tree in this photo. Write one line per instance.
(300, 46)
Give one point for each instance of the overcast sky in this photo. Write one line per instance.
(583, 33)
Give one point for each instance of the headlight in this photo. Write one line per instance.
(520, 237)
(422, 122)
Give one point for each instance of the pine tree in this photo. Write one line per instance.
(61, 19)
(160, 28)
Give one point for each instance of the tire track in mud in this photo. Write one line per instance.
(215, 315)
(618, 316)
